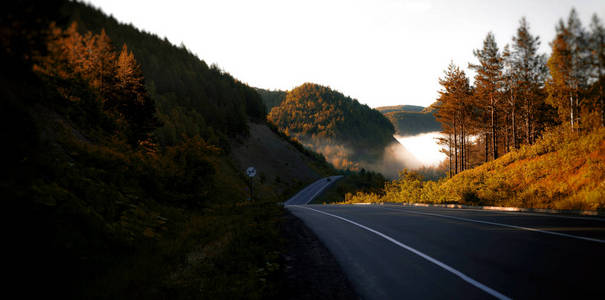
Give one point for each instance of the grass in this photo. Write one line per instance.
(563, 170)
(362, 181)
(122, 224)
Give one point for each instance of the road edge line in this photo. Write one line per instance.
(444, 266)
(579, 237)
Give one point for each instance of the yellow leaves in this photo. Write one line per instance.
(562, 171)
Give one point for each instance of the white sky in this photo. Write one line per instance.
(381, 52)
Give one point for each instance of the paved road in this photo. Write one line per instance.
(311, 191)
(395, 252)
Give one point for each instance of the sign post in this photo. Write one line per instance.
(251, 172)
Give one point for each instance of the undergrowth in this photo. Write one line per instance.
(563, 170)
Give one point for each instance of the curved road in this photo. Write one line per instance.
(398, 252)
(311, 191)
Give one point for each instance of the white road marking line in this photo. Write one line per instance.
(500, 224)
(512, 213)
(320, 182)
(404, 246)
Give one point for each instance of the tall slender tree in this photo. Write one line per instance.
(454, 111)
(529, 69)
(569, 71)
(510, 94)
(597, 64)
(488, 83)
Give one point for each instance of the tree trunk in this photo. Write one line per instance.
(494, 137)
(450, 153)
(455, 148)
(527, 122)
(486, 147)
(514, 125)
(602, 102)
(462, 154)
(506, 134)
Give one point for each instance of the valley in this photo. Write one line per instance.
(258, 154)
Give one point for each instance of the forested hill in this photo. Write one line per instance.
(339, 127)
(410, 119)
(386, 109)
(272, 98)
(123, 159)
(191, 97)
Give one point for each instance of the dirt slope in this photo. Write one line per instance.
(280, 166)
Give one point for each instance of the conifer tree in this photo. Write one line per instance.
(488, 83)
(559, 86)
(454, 112)
(132, 99)
(597, 62)
(530, 71)
(569, 71)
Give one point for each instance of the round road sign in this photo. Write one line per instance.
(251, 171)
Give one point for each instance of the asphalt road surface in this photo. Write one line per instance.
(398, 252)
(311, 191)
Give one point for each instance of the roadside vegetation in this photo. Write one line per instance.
(119, 173)
(529, 132)
(353, 182)
(562, 170)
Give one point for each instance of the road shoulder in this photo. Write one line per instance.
(311, 271)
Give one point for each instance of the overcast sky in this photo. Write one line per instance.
(381, 52)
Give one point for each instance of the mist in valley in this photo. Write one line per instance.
(424, 147)
(419, 152)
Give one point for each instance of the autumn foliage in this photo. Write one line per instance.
(339, 127)
(562, 170)
(104, 83)
(530, 132)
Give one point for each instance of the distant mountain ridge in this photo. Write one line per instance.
(271, 98)
(392, 108)
(411, 119)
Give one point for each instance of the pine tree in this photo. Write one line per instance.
(454, 112)
(597, 62)
(488, 82)
(131, 98)
(569, 70)
(529, 69)
(559, 88)
(510, 93)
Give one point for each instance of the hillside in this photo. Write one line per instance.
(127, 176)
(272, 98)
(387, 109)
(410, 119)
(282, 167)
(413, 123)
(562, 170)
(349, 134)
(191, 97)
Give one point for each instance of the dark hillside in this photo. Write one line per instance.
(272, 98)
(191, 97)
(109, 198)
(387, 109)
(410, 119)
(412, 122)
